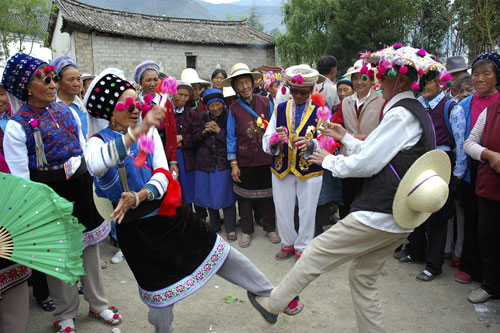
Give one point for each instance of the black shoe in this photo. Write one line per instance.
(47, 306)
(271, 318)
(80, 290)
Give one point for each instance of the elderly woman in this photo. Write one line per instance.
(147, 74)
(186, 120)
(486, 79)
(44, 142)
(190, 75)
(70, 86)
(249, 163)
(483, 146)
(171, 252)
(214, 186)
(293, 175)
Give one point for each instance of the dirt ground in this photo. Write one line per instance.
(408, 305)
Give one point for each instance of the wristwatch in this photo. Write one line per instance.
(150, 195)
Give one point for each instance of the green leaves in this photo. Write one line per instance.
(232, 299)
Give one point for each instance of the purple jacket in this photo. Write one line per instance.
(212, 148)
(186, 122)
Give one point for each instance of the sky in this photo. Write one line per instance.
(220, 1)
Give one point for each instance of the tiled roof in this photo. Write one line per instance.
(79, 16)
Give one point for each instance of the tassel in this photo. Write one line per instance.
(41, 160)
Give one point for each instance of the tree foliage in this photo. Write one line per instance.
(20, 21)
(253, 19)
(345, 28)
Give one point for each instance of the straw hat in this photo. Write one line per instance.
(190, 75)
(238, 70)
(423, 189)
(356, 68)
(103, 205)
(228, 92)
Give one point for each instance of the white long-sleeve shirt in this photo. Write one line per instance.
(399, 130)
(472, 145)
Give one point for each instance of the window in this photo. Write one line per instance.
(191, 61)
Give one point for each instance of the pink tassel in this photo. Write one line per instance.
(120, 106)
(148, 98)
(324, 113)
(415, 85)
(283, 90)
(275, 139)
(403, 69)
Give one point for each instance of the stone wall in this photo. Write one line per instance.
(83, 52)
(126, 54)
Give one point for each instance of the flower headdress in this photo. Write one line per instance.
(399, 59)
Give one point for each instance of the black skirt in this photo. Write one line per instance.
(161, 251)
(255, 183)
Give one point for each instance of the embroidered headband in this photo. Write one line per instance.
(144, 66)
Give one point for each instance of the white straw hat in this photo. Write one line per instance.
(190, 75)
(302, 76)
(423, 189)
(228, 92)
(238, 70)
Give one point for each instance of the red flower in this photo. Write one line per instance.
(3, 277)
(12, 273)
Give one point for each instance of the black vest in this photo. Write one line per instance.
(376, 193)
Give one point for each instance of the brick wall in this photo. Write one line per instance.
(83, 51)
(126, 54)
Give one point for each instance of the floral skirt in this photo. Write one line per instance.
(171, 257)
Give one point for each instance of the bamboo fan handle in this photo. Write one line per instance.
(6, 244)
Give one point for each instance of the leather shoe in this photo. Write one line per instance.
(270, 317)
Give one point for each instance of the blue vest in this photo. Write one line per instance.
(466, 105)
(109, 186)
(61, 141)
(290, 159)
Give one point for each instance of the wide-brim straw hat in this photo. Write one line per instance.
(228, 92)
(191, 76)
(240, 69)
(423, 189)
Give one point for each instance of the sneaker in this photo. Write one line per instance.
(478, 295)
(117, 258)
(462, 277)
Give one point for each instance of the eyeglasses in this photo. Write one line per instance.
(301, 92)
(48, 78)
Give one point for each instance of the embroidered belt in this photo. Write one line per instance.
(12, 276)
(51, 168)
(96, 235)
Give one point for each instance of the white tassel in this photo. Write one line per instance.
(41, 161)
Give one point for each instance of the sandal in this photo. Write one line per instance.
(298, 253)
(117, 318)
(294, 307)
(47, 306)
(231, 236)
(245, 240)
(60, 329)
(285, 253)
(424, 277)
(273, 237)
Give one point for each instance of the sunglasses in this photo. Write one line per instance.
(47, 79)
(301, 92)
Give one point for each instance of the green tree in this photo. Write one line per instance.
(308, 28)
(253, 19)
(21, 20)
(229, 16)
(360, 25)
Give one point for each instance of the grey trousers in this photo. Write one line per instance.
(65, 296)
(238, 270)
(14, 309)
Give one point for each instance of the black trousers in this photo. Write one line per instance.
(349, 189)
(489, 244)
(40, 288)
(427, 243)
(266, 209)
(229, 218)
(470, 260)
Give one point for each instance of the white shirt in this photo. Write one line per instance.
(329, 90)
(399, 130)
(361, 101)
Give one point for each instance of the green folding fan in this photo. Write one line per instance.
(38, 230)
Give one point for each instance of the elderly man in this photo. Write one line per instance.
(249, 164)
(294, 176)
(457, 67)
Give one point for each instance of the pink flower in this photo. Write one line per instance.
(283, 90)
(128, 102)
(180, 288)
(363, 70)
(421, 52)
(168, 86)
(365, 54)
(147, 297)
(120, 106)
(198, 276)
(415, 85)
(146, 144)
(207, 267)
(33, 123)
(169, 294)
(324, 113)
(148, 98)
(157, 297)
(403, 69)
(190, 282)
(220, 248)
(214, 258)
(396, 46)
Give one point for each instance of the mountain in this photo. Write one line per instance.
(169, 8)
(268, 11)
